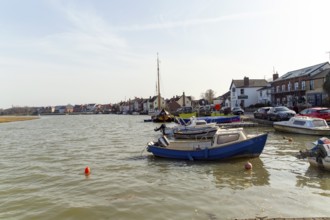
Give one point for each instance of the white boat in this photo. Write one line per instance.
(303, 125)
(226, 144)
(194, 129)
(319, 155)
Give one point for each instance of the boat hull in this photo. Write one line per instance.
(218, 119)
(322, 164)
(251, 147)
(299, 130)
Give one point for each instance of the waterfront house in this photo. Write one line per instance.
(293, 87)
(184, 101)
(69, 108)
(153, 104)
(243, 93)
(137, 104)
(172, 104)
(315, 94)
(264, 94)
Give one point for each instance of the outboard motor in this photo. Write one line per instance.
(163, 141)
(161, 128)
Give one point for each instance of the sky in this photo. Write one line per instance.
(58, 52)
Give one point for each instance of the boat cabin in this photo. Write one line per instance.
(309, 122)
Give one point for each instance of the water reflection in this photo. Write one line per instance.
(234, 176)
(315, 178)
(224, 174)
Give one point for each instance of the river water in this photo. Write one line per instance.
(42, 165)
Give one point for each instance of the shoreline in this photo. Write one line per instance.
(5, 119)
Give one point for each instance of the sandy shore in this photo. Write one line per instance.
(16, 118)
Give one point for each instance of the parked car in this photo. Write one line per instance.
(316, 112)
(261, 113)
(280, 113)
(225, 110)
(237, 111)
(184, 109)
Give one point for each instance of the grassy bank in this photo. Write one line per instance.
(16, 118)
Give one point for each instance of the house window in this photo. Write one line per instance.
(260, 93)
(283, 88)
(233, 89)
(303, 85)
(278, 101)
(311, 85)
(242, 91)
(277, 88)
(289, 86)
(296, 86)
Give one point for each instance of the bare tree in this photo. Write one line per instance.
(208, 95)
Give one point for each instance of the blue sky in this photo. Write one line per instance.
(55, 52)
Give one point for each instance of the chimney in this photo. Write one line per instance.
(184, 99)
(275, 76)
(246, 81)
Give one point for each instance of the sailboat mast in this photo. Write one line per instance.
(158, 83)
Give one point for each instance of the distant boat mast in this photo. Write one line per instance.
(158, 83)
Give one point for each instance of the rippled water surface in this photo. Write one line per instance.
(42, 166)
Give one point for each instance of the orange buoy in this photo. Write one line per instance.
(87, 171)
(248, 166)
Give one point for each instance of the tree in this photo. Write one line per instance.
(326, 86)
(208, 95)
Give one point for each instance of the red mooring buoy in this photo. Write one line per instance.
(87, 171)
(248, 166)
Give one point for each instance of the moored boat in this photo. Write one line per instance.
(162, 116)
(218, 119)
(206, 132)
(195, 128)
(319, 155)
(226, 144)
(303, 125)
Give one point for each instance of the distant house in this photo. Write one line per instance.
(172, 104)
(264, 95)
(301, 87)
(145, 106)
(153, 104)
(315, 94)
(91, 107)
(77, 108)
(243, 93)
(60, 109)
(137, 104)
(177, 102)
(69, 108)
(184, 101)
(225, 100)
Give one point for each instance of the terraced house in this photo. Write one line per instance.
(302, 87)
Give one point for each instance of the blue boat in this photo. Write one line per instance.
(217, 119)
(226, 144)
